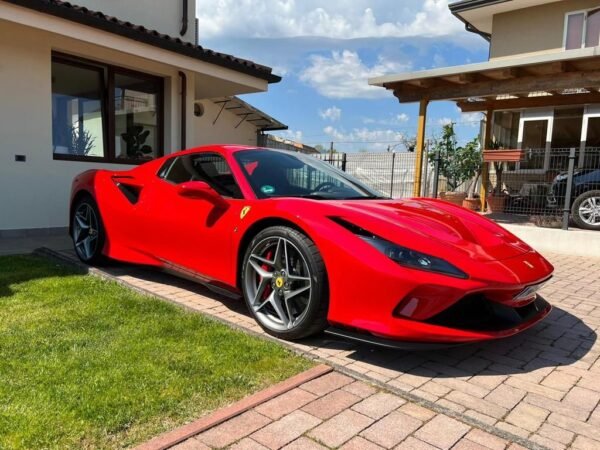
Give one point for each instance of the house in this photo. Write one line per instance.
(270, 141)
(539, 89)
(108, 84)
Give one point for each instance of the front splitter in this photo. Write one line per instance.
(389, 343)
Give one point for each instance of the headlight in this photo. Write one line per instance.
(413, 259)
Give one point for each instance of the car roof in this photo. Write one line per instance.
(221, 148)
(227, 149)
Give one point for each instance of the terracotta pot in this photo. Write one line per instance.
(453, 197)
(474, 204)
(496, 203)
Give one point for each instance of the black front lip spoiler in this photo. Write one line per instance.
(370, 339)
(540, 308)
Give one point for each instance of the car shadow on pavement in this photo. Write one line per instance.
(560, 339)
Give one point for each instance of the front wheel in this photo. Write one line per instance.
(586, 210)
(284, 283)
(87, 231)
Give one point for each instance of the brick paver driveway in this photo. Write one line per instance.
(335, 411)
(542, 386)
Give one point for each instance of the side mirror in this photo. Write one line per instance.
(199, 190)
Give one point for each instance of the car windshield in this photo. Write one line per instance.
(276, 173)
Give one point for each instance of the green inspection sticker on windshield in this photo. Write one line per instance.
(266, 189)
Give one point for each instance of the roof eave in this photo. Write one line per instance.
(103, 22)
(566, 55)
(467, 5)
(275, 128)
(457, 8)
(472, 29)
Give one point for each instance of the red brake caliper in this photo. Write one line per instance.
(268, 289)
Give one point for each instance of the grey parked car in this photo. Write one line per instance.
(585, 197)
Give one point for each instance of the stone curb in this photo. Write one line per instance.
(174, 437)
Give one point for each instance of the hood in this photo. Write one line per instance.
(431, 226)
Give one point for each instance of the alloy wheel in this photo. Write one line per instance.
(85, 231)
(278, 283)
(589, 211)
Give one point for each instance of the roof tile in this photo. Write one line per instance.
(99, 20)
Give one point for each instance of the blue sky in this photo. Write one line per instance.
(326, 54)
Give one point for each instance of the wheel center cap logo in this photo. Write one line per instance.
(279, 282)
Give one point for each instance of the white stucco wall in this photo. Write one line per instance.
(161, 15)
(35, 193)
(223, 131)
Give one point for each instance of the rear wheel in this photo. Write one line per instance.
(284, 283)
(87, 231)
(586, 210)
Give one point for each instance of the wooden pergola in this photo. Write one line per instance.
(567, 78)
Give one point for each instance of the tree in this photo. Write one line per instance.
(320, 148)
(409, 142)
(82, 141)
(456, 164)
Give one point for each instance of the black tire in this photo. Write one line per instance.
(577, 213)
(313, 319)
(95, 255)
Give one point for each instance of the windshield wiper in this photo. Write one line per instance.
(365, 197)
(314, 197)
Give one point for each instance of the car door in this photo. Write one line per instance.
(193, 234)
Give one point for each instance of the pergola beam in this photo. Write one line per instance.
(530, 102)
(524, 84)
(510, 73)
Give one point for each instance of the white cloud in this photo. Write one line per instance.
(292, 135)
(334, 114)
(472, 119)
(396, 120)
(339, 19)
(375, 139)
(344, 75)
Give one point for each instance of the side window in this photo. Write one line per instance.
(164, 170)
(208, 167)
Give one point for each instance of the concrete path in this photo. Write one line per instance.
(24, 245)
(541, 388)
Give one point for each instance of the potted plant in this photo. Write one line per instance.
(135, 140)
(456, 164)
(497, 199)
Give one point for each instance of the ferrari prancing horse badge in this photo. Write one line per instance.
(245, 210)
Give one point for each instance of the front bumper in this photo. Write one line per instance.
(416, 306)
(469, 320)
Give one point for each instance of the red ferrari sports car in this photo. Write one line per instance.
(310, 248)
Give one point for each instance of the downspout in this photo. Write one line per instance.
(184, 19)
(183, 118)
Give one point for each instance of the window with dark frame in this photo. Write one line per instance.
(104, 113)
(78, 113)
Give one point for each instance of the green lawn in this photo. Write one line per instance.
(86, 363)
